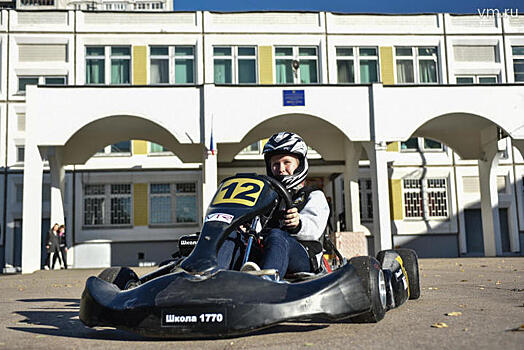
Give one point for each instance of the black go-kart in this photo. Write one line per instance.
(191, 297)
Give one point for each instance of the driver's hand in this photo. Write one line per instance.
(292, 218)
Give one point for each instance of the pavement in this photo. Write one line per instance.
(485, 295)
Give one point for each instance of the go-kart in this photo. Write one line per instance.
(191, 297)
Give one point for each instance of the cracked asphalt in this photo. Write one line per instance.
(484, 297)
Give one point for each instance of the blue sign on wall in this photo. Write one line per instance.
(294, 98)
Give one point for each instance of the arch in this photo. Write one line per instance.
(318, 133)
(460, 131)
(111, 129)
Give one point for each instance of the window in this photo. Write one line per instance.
(172, 64)
(416, 65)
(425, 198)
(365, 195)
(20, 154)
(357, 65)
(96, 210)
(477, 79)
(296, 65)
(253, 148)
(156, 148)
(235, 64)
(417, 144)
(173, 203)
(24, 81)
(122, 148)
(518, 63)
(95, 65)
(120, 65)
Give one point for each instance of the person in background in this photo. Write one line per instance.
(62, 244)
(52, 247)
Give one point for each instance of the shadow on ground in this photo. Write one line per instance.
(62, 320)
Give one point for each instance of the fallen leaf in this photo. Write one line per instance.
(462, 305)
(454, 313)
(461, 270)
(308, 344)
(482, 288)
(519, 329)
(439, 325)
(40, 336)
(498, 283)
(463, 280)
(465, 330)
(483, 265)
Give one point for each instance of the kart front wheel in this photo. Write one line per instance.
(372, 277)
(410, 260)
(122, 277)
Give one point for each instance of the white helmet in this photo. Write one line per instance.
(287, 143)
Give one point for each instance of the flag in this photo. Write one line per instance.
(212, 148)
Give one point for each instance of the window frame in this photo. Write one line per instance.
(416, 58)
(364, 199)
(108, 62)
(172, 58)
(520, 59)
(296, 56)
(356, 58)
(235, 58)
(421, 146)
(107, 205)
(424, 193)
(173, 195)
(476, 78)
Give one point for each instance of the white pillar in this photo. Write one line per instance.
(57, 170)
(32, 208)
(209, 179)
(380, 183)
(352, 151)
(489, 198)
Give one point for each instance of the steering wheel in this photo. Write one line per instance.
(281, 190)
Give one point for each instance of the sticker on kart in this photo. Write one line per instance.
(239, 191)
(195, 317)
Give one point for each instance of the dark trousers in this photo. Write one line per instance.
(56, 256)
(63, 253)
(284, 253)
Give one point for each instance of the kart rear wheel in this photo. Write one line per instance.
(410, 263)
(372, 277)
(122, 277)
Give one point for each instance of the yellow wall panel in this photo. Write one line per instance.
(386, 65)
(139, 65)
(393, 147)
(140, 204)
(265, 59)
(395, 199)
(139, 147)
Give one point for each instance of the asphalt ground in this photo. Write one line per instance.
(40, 311)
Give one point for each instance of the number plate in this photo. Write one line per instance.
(239, 191)
(212, 317)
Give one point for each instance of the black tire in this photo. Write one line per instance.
(122, 277)
(371, 275)
(410, 263)
(410, 259)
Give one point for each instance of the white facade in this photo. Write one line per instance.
(173, 78)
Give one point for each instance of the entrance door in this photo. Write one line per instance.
(17, 246)
(504, 230)
(474, 237)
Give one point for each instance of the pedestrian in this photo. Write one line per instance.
(53, 247)
(63, 245)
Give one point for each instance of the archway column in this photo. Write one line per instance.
(489, 198)
(209, 179)
(57, 169)
(32, 207)
(352, 151)
(378, 157)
